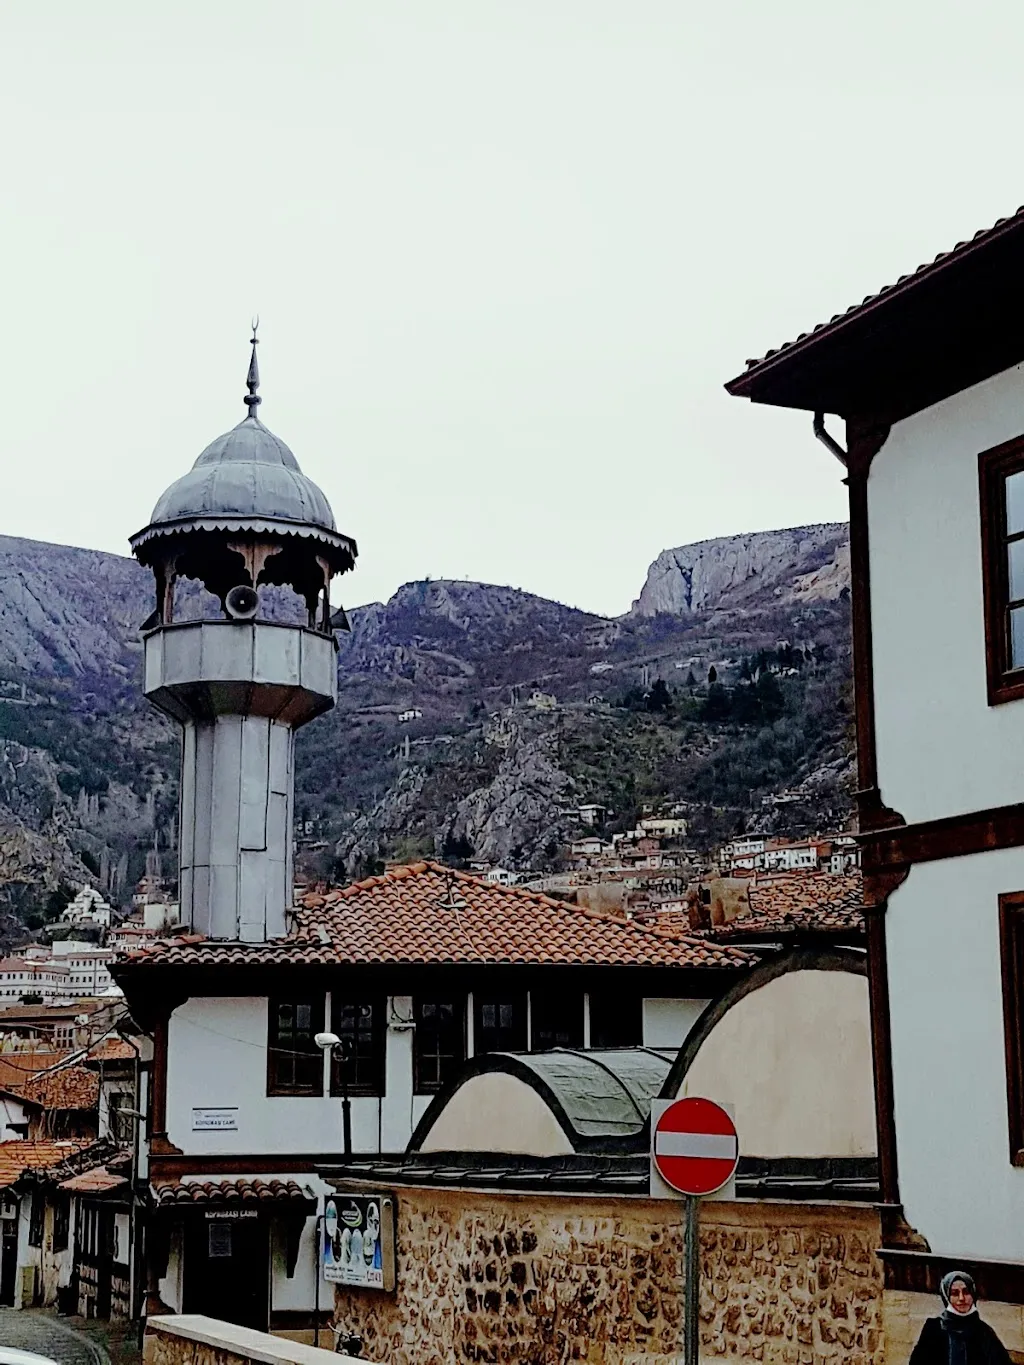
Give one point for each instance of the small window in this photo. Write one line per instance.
(556, 1020)
(360, 1059)
(439, 1044)
(616, 1020)
(499, 1023)
(295, 1065)
(220, 1243)
(37, 1216)
(1011, 944)
(1002, 537)
(61, 1222)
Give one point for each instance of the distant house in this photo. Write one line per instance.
(411, 713)
(592, 813)
(542, 701)
(664, 827)
(20, 976)
(501, 875)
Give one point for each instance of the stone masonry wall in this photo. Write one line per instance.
(541, 1280)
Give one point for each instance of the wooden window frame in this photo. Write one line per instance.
(421, 1085)
(374, 1087)
(1011, 954)
(274, 1084)
(1005, 683)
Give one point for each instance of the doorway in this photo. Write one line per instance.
(227, 1267)
(8, 1260)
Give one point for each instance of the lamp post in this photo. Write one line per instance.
(340, 1048)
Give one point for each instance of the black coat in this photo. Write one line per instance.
(983, 1346)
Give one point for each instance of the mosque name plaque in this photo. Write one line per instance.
(223, 1120)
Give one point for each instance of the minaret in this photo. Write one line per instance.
(243, 519)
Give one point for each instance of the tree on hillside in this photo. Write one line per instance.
(659, 698)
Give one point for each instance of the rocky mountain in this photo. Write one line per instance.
(805, 563)
(472, 719)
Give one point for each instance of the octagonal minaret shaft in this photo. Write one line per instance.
(243, 519)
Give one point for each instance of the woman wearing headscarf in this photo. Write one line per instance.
(958, 1336)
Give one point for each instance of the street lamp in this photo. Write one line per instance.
(340, 1048)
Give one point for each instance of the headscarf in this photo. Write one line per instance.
(946, 1286)
(958, 1326)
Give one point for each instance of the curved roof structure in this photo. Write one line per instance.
(247, 480)
(600, 1099)
(247, 472)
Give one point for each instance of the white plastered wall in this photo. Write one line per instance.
(495, 1112)
(942, 749)
(949, 1078)
(793, 1060)
(667, 1022)
(217, 1058)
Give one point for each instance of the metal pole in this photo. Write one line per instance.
(691, 1281)
(318, 1270)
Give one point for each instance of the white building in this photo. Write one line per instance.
(88, 907)
(19, 976)
(418, 971)
(929, 377)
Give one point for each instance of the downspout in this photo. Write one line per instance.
(828, 441)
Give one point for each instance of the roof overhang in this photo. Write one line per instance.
(949, 325)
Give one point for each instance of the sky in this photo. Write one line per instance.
(505, 254)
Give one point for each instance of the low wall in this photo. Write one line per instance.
(539, 1279)
(190, 1339)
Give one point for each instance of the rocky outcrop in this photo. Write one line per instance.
(519, 813)
(734, 571)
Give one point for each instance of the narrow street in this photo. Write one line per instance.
(68, 1341)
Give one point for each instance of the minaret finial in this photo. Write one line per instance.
(252, 400)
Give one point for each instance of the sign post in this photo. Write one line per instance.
(695, 1151)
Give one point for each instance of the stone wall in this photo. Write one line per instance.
(535, 1280)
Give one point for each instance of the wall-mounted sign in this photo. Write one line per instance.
(215, 1120)
(220, 1214)
(359, 1240)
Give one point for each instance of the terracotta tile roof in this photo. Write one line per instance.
(99, 1180)
(72, 1087)
(235, 1193)
(1002, 226)
(798, 904)
(111, 1050)
(19, 1156)
(428, 914)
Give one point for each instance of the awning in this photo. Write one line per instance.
(97, 1181)
(276, 1196)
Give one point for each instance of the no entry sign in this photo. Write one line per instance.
(694, 1146)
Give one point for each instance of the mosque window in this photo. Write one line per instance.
(295, 1065)
(439, 1043)
(359, 1062)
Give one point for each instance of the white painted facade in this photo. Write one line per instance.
(217, 1060)
(942, 750)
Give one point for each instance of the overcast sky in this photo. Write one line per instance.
(505, 253)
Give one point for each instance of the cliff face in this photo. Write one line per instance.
(808, 563)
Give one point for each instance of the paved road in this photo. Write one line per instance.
(32, 1330)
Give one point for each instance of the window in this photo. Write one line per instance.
(61, 1222)
(499, 1023)
(122, 1129)
(37, 1215)
(1002, 545)
(556, 1020)
(616, 1020)
(360, 1059)
(295, 1065)
(1011, 946)
(439, 1043)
